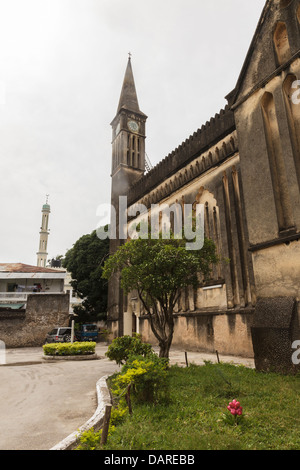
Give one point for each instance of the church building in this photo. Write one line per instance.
(243, 165)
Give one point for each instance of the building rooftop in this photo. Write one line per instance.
(26, 268)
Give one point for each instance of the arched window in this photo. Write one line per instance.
(211, 222)
(281, 42)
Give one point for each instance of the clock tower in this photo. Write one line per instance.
(128, 165)
(128, 140)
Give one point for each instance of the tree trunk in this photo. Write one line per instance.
(162, 326)
(167, 337)
(164, 349)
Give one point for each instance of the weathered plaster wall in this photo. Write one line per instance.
(277, 271)
(227, 333)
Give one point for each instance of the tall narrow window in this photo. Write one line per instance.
(128, 151)
(281, 42)
(207, 222)
(277, 165)
(233, 294)
(241, 237)
(285, 3)
(293, 115)
(217, 236)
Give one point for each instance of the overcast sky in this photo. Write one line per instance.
(62, 64)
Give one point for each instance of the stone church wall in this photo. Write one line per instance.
(217, 315)
(244, 167)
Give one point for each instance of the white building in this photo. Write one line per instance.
(17, 280)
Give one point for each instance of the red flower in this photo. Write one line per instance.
(235, 408)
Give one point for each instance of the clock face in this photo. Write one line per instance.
(133, 126)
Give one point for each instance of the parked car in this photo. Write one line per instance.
(88, 332)
(60, 335)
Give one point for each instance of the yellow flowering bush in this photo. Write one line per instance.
(145, 376)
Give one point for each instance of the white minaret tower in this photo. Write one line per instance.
(42, 254)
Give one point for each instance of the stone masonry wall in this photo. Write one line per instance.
(28, 328)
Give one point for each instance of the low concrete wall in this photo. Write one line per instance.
(28, 328)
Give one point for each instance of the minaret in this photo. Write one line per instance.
(42, 254)
(128, 165)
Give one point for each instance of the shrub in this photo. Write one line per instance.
(91, 439)
(69, 349)
(118, 414)
(121, 348)
(145, 376)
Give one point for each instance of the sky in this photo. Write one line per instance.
(62, 64)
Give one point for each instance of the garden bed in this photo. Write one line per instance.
(70, 351)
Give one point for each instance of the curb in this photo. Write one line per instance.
(86, 357)
(96, 422)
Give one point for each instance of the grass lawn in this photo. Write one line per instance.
(191, 415)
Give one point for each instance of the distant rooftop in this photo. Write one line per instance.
(25, 268)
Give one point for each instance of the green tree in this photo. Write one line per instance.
(85, 262)
(158, 269)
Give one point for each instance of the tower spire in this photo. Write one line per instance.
(42, 254)
(128, 98)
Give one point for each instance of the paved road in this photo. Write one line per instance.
(42, 403)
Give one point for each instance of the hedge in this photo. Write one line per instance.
(69, 349)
